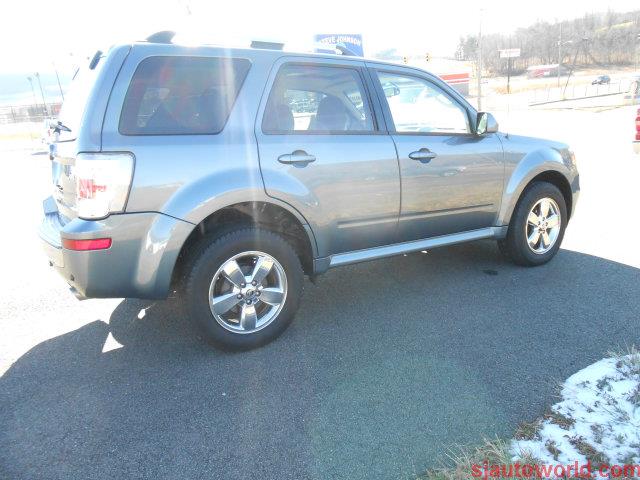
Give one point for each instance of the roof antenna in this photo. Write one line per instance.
(165, 36)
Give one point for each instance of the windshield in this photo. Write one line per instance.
(76, 99)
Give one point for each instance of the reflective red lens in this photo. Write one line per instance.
(92, 244)
(87, 188)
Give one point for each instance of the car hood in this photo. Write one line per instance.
(531, 143)
(535, 151)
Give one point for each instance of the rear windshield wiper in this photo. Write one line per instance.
(59, 127)
(95, 60)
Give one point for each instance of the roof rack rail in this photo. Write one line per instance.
(165, 36)
(267, 45)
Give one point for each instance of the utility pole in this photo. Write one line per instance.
(581, 44)
(33, 92)
(509, 69)
(44, 102)
(509, 75)
(559, 53)
(635, 56)
(479, 66)
(635, 46)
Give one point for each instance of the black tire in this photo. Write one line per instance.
(516, 246)
(211, 255)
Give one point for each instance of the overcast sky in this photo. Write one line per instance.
(36, 32)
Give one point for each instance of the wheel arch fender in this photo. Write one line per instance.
(546, 164)
(203, 199)
(198, 200)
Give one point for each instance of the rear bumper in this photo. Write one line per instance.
(636, 147)
(139, 263)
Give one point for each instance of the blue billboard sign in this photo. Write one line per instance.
(351, 41)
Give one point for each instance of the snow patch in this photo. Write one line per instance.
(601, 406)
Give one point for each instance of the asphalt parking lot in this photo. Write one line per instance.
(387, 364)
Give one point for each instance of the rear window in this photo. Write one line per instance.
(77, 97)
(182, 95)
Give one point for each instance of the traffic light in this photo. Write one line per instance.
(405, 60)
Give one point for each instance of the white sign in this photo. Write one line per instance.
(509, 53)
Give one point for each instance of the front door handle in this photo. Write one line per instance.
(423, 155)
(299, 156)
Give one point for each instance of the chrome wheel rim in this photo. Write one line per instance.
(543, 226)
(248, 292)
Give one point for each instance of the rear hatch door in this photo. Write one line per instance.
(78, 126)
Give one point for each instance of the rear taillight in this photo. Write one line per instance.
(638, 126)
(83, 245)
(102, 183)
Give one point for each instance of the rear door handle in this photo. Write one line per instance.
(423, 155)
(299, 156)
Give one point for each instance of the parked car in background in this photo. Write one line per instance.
(602, 80)
(229, 174)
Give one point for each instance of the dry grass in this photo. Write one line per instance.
(460, 459)
(559, 419)
(528, 430)
(628, 359)
(590, 453)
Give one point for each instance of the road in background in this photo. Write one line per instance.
(386, 364)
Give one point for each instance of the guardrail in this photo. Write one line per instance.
(578, 91)
(28, 113)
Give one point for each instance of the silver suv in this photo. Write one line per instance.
(229, 174)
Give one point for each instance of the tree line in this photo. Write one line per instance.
(596, 39)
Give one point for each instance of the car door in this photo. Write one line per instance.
(325, 152)
(452, 179)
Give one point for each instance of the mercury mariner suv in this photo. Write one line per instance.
(229, 174)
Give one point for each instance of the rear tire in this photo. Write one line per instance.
(537, 226)
(221, 299)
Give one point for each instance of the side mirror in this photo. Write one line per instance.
(390, 89)
(486, 123)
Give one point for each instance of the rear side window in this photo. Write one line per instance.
(182, 95)
(317, 99)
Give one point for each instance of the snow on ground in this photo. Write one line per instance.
(598, 419)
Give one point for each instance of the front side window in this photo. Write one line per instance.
(181, 95)
(317, 99)
(418, 106)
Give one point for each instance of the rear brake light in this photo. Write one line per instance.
(638, 126)
(102, 183)
(91, 244)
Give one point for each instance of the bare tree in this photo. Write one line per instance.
(611, 39)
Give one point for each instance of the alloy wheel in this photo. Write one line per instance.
(543, 225)
(248, 292)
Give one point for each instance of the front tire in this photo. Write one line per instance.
(537, 226)
(244, 288)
